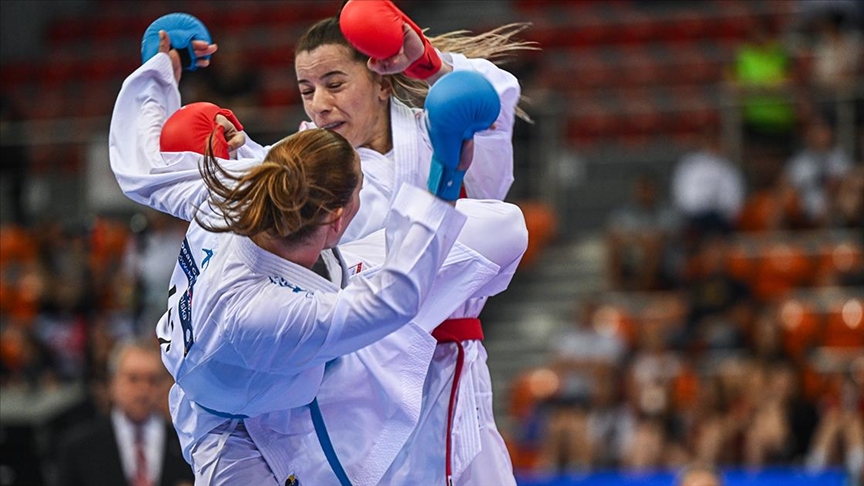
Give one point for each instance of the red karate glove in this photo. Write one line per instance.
(374, 27)
(189, 130)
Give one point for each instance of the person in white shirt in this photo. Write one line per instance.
(815, 172)
(708, 189)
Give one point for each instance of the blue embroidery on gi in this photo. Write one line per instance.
(284, 283)
(184, 307)
(208, 253)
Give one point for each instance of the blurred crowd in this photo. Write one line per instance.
(70, 292)
(731, 331)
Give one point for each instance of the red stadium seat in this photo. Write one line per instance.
(782, 267)
(801, 326)
(684, 28)
(838, 258)
(844, 325)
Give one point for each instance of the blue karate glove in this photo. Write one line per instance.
(458, 105)
(182, 29)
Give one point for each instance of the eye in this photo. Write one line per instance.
(335, 85)
(306, 92)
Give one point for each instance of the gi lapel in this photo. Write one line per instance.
(405, 141)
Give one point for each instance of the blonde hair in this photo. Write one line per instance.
(497, 45)
(303, 178)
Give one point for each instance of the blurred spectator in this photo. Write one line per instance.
(106, 330)
(772, 207)
(530, 393)
(13, 163)
(645, 449)
(567, 446)
(583, 357)
(762, 78)
(816, 171)
(610, 422)
(585, 346)
(136, 444)
(839, 436)
(150, 258)
(766, 341)
(782, 422)
(837, 56)
(707, 189)
(67, 300)
(641, 237)
(24, 360)
(707, 423)
(21, 275)
(849, 202)
(720, 304)
(652, 371)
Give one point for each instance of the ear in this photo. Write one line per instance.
(335, 222)
(385, 89)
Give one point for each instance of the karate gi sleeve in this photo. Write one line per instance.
(303, 333)
(168, 182)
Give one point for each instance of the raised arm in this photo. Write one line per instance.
(396, 44)
(167, 182)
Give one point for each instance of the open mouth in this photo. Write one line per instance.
(333, 126)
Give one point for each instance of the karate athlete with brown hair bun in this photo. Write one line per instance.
(274, 414)
(368, 100)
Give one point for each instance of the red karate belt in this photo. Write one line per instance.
(456, 331)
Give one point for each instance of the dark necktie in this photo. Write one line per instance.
(140, 478)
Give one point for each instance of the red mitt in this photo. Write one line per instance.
(374, 27)
(189, 130)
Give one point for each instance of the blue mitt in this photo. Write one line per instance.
(458, 105)
(182, 29)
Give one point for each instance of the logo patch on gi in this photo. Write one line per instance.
(355, 269)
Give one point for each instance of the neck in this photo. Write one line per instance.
(383, 141)
(304, 253)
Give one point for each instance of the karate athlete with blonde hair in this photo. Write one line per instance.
(169, 183)
(357, 89)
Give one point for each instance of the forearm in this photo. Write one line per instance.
(420, 234)
(148, 97)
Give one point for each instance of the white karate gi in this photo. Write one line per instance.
(172, 184)
(479, 454)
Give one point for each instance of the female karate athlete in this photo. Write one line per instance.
(457, 440)
(220, 448)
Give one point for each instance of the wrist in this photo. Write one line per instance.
(428, 65)
(446, 68)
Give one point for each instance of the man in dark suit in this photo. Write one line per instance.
(136, 444)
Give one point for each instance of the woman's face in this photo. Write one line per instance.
(339, 93)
